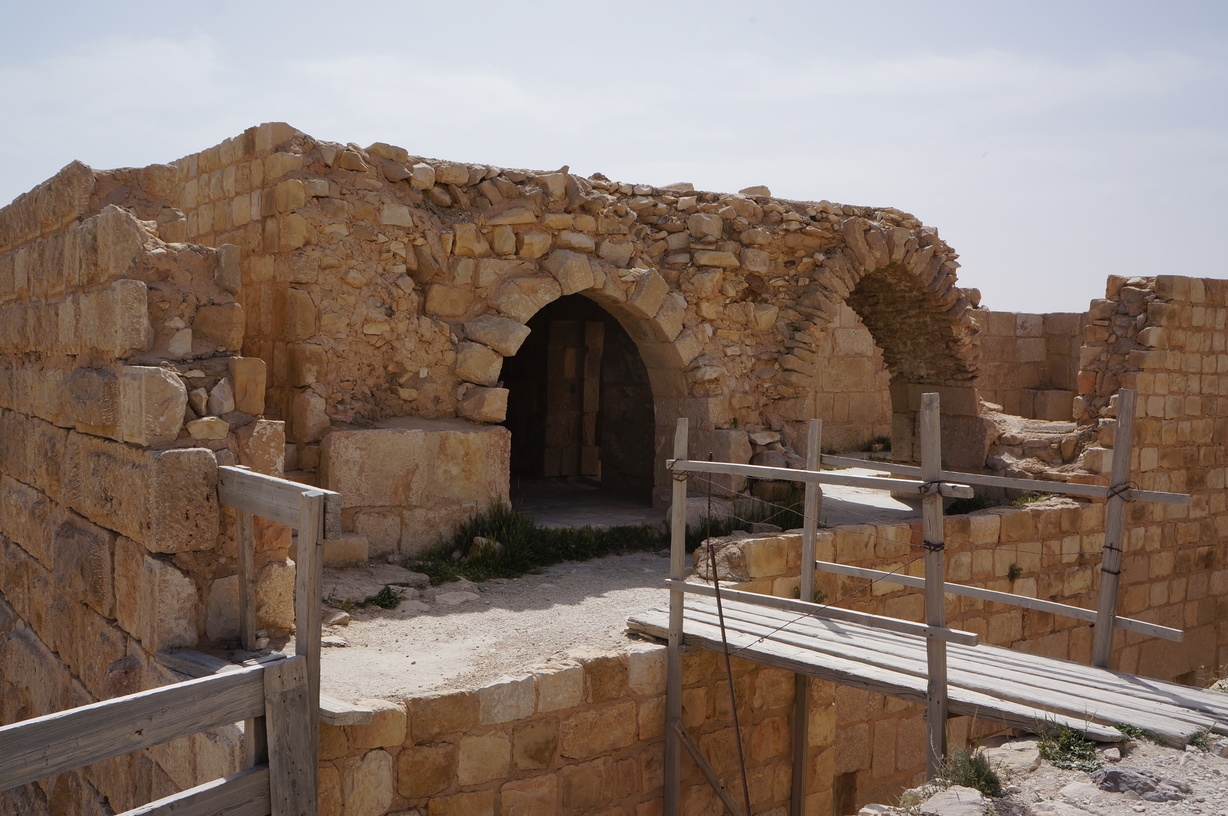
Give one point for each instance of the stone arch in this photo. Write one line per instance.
(641, 303)
(902, 284)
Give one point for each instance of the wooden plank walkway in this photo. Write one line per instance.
(989, 682)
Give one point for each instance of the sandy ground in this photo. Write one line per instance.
(509, 626)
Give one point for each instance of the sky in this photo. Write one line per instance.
(1051, 143)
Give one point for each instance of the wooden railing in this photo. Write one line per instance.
(278, 699)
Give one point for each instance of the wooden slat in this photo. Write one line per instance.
(308, 591)
(869, 678)
(1173, 724)
(801, 683)
(818, 477)
(671, 793)
(932, 529)
(1034, 485)
(243, 794)
(1053, 607)
(265, 496)
(833, 612)
(246, 545)
(293, 743)
(45, 746)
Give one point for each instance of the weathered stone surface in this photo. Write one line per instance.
(221, 397)
(478, 364)
(573, 271)
(308, 363)
(521, 298)
(262, 446)
(222, 325)
(511, 698)
(425, 770)
(222, 610)
(275, 596)
(247, 375)
(299, 315)
(387, 727)
(431, 716)
(500, 333)
(483, 404)
(367, 784)
(596, 731)
(208, 428)
(309, 417)
(483, 758)
(152, 402)
(529, 797)
(154, 600)
(92, 401)
(534, 744)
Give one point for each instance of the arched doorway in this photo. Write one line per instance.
(580, 406)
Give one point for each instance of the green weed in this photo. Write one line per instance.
(971, 770)
(1067, 748)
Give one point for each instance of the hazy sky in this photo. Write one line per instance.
(1051, 143)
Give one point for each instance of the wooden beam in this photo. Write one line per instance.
(1114, 532)
(1035, 485)
(1053, 607)
(265, 496)
(704, 768)
(308, 594)
(293, 737)
(801, 683)
(936, 707)
(816, 476)
(45, 746)
(245, 793)
(339, 712)
(671, 794)
(831, 612)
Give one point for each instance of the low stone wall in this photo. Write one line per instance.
(1030, 362)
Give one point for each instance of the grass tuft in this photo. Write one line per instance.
(971, 770)
(1067, 748)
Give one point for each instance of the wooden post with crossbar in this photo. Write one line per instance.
(935, 584)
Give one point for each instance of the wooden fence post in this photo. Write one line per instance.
(677, 571)
(1114, 531)
(801, 683)
(935, 583)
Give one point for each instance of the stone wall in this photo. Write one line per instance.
(120, 391)
(1029, 362)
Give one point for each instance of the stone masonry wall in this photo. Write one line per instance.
(120, 390)
(1029, 362)
(378, 284)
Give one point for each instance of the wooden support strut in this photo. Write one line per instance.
(671, 795)
(801, 683)
(1114, 531)
(935, 597)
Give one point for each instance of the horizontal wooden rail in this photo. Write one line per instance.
(816, 476)
(265, 496)
(45, 746)
(832, 612)
(1037, 485)
(243, 794)
(1011, 598)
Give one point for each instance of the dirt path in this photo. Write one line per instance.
(509, 626)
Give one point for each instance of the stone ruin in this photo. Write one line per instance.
(417, 333)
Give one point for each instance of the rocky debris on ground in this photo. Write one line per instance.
(355, 584)
(348, 591)
(1136, 778)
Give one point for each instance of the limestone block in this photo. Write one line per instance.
(533, 244)
(92, 401)
(222, 609)
(412, 462)
(346, 550)
(221, 398)
(448, 301)
(561, 687)
(422, 176)
(386, 729)
(725, 446)
(469, 242)
(500, 333)
(116, 321)
(708, 257)
(650, 290)
(478, 364)
(522, 298)
(308, 364)
(534, 744)
(596, 731)
(530, 796)
(154, 600)
(616, 252)
(511, 698)
(221, 325)
(293, 231)
(275, 596)
(432, 716)
(262, 446)
(367, 784)
(277, 165)
(83, 557)
(299, 315)
(247, 376)
(705, 225)
(396, 215)
(477, 803)
(425, 770)
(118, 241)
(228, 275)
(479, 404)
(572, 270)
(570, 239)
(382, 531)
(308, 417)
(180, 344)
(208, 428)
(483, 758)
(152, 402)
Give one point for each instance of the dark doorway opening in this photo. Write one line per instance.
(579, 404)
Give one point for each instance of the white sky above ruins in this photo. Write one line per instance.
(1052, 143)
